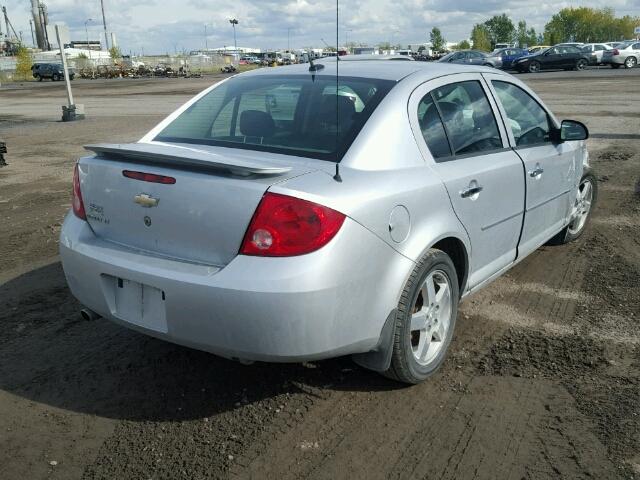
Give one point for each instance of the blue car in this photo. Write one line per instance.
(509, 56)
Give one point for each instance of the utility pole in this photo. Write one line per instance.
(104, 23)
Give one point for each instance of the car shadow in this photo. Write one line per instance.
(49, 354)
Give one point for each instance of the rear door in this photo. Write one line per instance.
(457, 130)
(549, 167)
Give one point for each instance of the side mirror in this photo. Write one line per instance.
(571, 130)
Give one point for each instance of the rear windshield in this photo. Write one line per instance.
(295, 115)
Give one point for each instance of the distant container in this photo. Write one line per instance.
(365, 51)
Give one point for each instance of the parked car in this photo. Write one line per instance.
(509, 55)
(596, 50)
(54, 71)
(558, 57)
(472, 57)
(538, 48)
(334, 228)
(627, 54)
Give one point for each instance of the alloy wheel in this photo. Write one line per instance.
(581, 65)
(582, 207)
(534, 67)
(431, 317)
(630, 62)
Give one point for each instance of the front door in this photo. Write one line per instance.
(549, 167)
(484, 178)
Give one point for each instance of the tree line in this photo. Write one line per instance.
(582, 24)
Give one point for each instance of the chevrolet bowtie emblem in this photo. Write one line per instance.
(147, 201)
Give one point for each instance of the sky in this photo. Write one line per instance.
(161, 26)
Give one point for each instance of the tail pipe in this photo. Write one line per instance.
(89, 314)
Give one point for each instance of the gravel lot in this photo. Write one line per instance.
(543, 379)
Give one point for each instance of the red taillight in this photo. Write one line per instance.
(77, 203)
(615, 52)
(284, 226)
(149, 177)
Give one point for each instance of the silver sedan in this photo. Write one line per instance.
(627, 54)
(288, 215)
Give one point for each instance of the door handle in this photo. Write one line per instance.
(470, 191)
(536, 171)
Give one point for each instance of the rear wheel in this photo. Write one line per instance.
(425, 319)
(630, 62)
(586, 196)
(534, 67)
(38, 77)
(55, 77)
(581, 64)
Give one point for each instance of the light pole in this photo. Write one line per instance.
(206, 42)
(86, 30)
(233, 23)
(289, 39)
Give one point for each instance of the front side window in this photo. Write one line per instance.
(295, 114)
(529, 122)
(468, 118)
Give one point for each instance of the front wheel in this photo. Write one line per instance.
(586, 196)
(425, 319)
(534, 67)
(630, 62)
(581, 64)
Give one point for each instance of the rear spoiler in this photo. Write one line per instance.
(177, 156)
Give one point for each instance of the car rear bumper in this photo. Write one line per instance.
(328, 303)
(618, 59)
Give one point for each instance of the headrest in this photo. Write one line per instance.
(254, 123)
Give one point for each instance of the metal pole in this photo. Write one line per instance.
(104, 23)
(289, 39)
(206, 41)
(33, 37)
(64, 67)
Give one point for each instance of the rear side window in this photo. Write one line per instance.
(529, 122)
(432, 128)
(295, 114)
(468, 118)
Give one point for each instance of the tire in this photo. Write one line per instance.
(581, 64)
(534, 67)
(39, 77)
(55, 77)
(577, 226)
(615, 65)
(417, 354)
(630, 62)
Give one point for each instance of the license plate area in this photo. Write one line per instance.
(137, 303)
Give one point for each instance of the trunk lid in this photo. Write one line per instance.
(201, 218)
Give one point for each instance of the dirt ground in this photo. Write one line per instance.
(542, 381)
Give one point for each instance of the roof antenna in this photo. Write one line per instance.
(337, 176)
